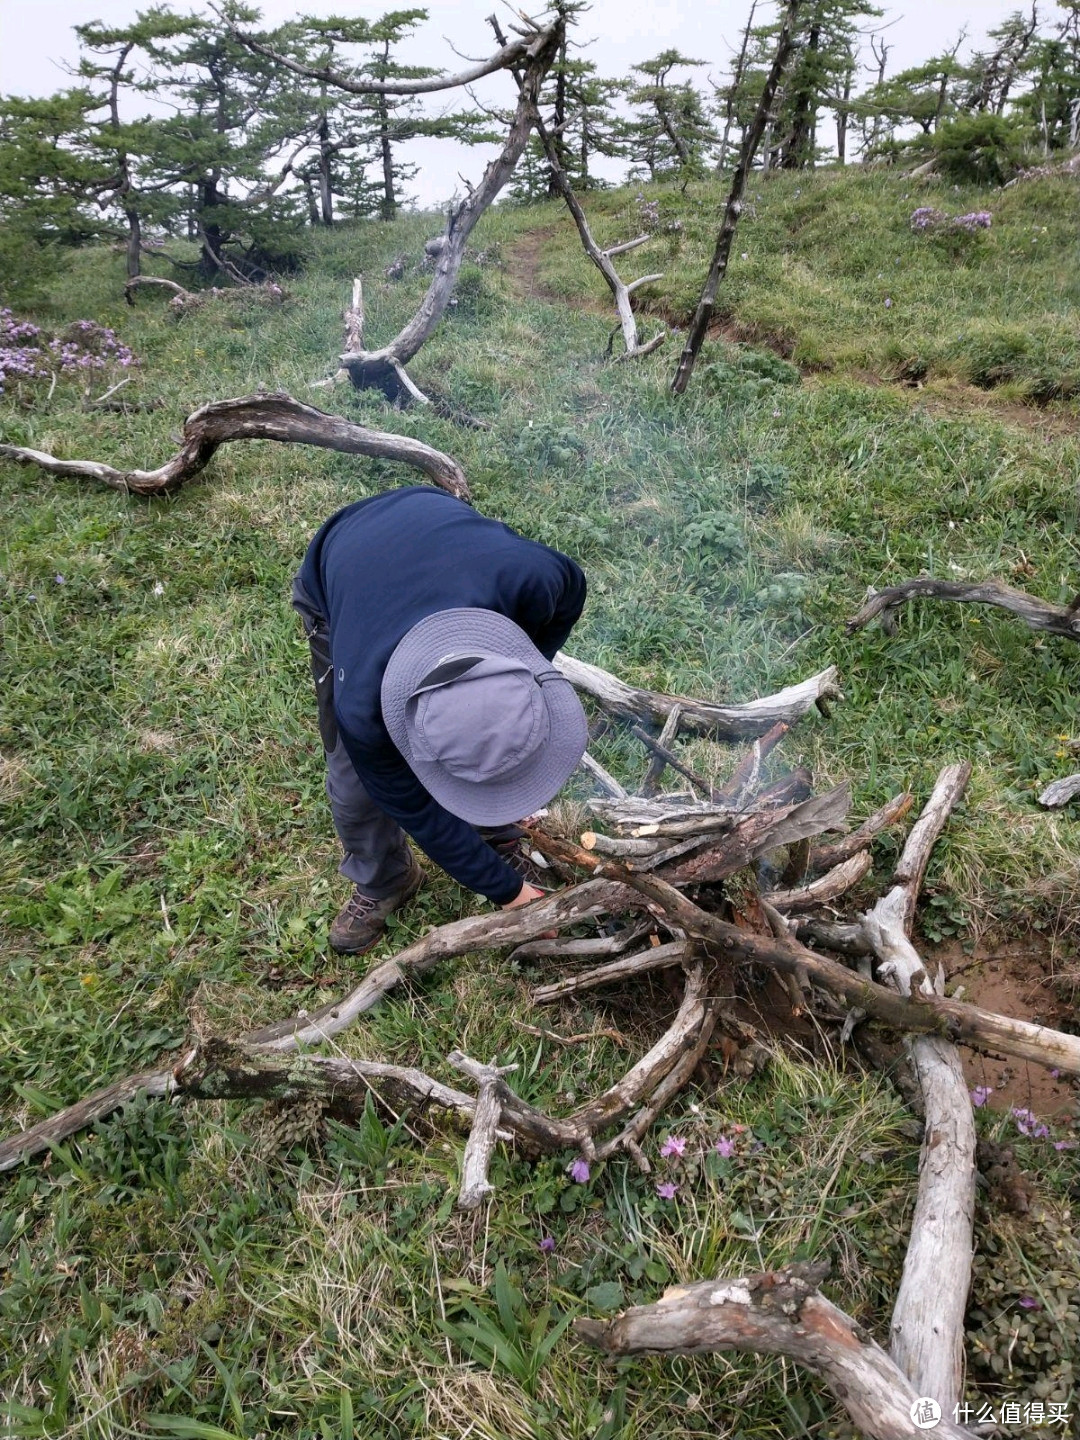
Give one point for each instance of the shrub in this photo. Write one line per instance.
(978, 149)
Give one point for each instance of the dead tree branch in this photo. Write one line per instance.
(826, 888)
(783, 1313)
(1063, 620)
(657, 957)
(1060, 792)
(382, 368)
(701, 717)
(475, 932)
(733, 209)
(275, 417)
(620, 291)
(928, 1318)
(826, 857)
(507, 55)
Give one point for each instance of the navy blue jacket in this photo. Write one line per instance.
(378, 567)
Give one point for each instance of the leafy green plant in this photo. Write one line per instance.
(512, 1340)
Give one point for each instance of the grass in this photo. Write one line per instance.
(168, 865)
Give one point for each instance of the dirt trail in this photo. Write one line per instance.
(948, 399)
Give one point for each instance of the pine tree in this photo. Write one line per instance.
(669, 132)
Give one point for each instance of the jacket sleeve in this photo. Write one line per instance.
(550, 599)
(452, 843)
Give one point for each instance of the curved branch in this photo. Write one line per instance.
(475, 932)
(254, 417)
(701, 717)
(504, 57)
(1037, 614)
(380, 367)
(780, 1312)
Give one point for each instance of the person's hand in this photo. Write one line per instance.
(525, 896)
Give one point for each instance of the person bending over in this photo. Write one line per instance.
(432, 632)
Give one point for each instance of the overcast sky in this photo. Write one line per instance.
(36, 42)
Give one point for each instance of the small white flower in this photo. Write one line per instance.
(159, 588)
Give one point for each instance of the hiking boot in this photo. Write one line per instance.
(361, 922)
(521, 858)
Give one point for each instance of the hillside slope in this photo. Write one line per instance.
(168, 864)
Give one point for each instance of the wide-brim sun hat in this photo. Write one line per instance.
(485, 722)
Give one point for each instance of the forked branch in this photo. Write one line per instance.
(1063, 620)
(275, 417)
(780, 1312)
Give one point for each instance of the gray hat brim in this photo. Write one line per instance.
(533, 784)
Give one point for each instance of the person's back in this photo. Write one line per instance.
(390, 589)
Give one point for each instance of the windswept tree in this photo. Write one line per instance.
(1051, 103)
(669, 132)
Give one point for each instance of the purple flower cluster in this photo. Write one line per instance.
(648, 212)
(977, 220)
(927, 218)
(1028, 1124)
(85, 345)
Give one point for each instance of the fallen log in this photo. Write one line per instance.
(474, 932)
(275, 417)
(701, 717)
(928, 1317)
(1060, 792)
(1038, 614)
(780, 1312)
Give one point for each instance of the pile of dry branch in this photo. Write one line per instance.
(676, 877)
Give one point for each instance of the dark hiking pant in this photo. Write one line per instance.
(377, 857)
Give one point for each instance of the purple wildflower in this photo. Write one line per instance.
(667, 1190)
(1064, 1144)
(977, 220)
(888, 303)
(926, 218)
(579, 1171)
(1028, 1124)
(547, 1245)
(725, 1147)
(981, 1094)
(59, 580)
(1028, 1302)
(673, 1145)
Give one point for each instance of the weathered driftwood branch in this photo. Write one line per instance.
(227, 1070)
(383, 368)
(608, 783)
(185, 300)
(475, 932)
(275, 417)
(644, 827)
(780, 1312)
(757, 832)
(657, 764)
(475, 1185)
(966, 1024)
(1038, 614)
(826, 888)
(825, 857)
(928, 1317)
(699, 324)
(657, 957)
(701, 717)
(589, 948)
(746, 777)
(1060, 792)
(507, 55)
(620, 291)
(661, 752)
